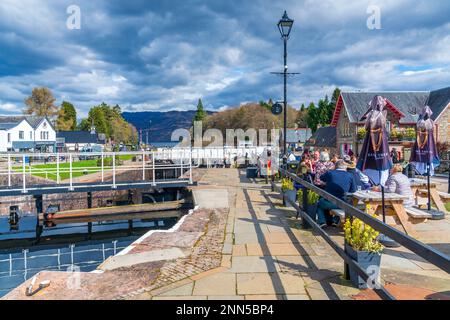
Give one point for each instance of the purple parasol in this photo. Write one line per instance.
(425, 152)
(424, 156)
(375, 159)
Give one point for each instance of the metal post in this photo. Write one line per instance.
(448, 179)
(190, 167)
(70, 173)
(114, 169)
(71, 255)
(103, 173)
(59, 259)
(9, 170)
(115, 246)
(25, 264)
(57, 168)
(153, 169)
(285, 98)
(428, 184)
(143, 165)
(305, 224)
(181, 161)
(24, 190)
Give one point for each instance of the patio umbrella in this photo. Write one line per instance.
(424, 156)
(375, 160)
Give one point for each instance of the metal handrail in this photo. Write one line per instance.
(425, 251)
(23, 170)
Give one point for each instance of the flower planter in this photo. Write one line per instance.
(365, 260)
(312, 210)
(291, 195)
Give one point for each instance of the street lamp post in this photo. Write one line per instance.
(285, 26)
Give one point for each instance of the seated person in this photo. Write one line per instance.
(323, 165)
(337, 182)
(399, 183)
(361, 180)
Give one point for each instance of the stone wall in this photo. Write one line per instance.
(443, 126)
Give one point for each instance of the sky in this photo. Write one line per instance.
(157, 55)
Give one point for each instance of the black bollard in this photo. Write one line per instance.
(305, 224)
(449, 179)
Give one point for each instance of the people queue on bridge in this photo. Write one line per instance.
(339, 176)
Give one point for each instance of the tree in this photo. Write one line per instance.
(41, 103)
(67, 117)
(109, 120)
(301, 117)
(201, 114)
(313, 117)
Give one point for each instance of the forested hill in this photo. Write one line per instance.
(162, 123)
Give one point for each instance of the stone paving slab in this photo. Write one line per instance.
(221, 284)
(269, 283)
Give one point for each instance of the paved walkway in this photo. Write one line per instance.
(243, 244)
(265, 255)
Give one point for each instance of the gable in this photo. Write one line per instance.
(399, 103)
(438, 101)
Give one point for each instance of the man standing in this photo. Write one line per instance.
(337, 182)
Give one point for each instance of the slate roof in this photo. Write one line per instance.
(324, 137)
(9, 122)
(79, 137)
(438, 100)
(357, 102)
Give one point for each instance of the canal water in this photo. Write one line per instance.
(66, 247)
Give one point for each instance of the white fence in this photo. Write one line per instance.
(67, 169)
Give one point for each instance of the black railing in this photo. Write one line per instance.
(425, 251)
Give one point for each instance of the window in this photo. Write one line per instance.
(21, 135)
(31, 135)
(44, 135)
(9, 137)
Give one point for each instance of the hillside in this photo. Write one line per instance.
(162, 123)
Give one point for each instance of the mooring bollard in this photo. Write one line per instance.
(305, 223)
(448, 180)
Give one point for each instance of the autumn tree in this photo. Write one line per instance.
(301, 117)
(67, 117)
(41, 103)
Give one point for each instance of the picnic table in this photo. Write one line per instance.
(421, 184)
(392, 200)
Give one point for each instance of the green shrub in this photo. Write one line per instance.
(108, 162)
(313, 197)
(286, 184)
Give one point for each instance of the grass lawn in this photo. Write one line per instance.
(447, 206)
(79, 168)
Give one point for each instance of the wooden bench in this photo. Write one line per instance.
(340, 213)
(416, 213)
(444, 196)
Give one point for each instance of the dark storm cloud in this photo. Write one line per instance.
(160, 55)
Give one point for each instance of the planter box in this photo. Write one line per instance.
(252, 172)
(291, 195)
(311, 210)
(365, 260)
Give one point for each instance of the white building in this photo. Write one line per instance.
(27, 133)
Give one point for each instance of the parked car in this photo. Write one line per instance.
(88, 150)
